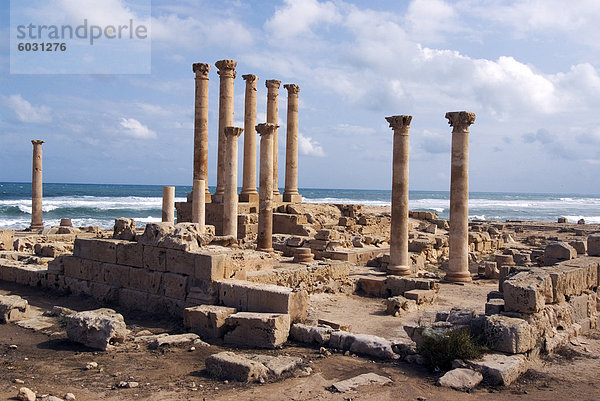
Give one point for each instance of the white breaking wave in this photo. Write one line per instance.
(588, 219)
(345, 201)
(101, 203)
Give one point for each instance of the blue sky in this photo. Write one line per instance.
(527, 68)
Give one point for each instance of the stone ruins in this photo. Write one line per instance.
(241, 270)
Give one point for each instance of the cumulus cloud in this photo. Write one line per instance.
(134, 128)
(429, 20)
(309, 147)
(26, 112)
(299, 16)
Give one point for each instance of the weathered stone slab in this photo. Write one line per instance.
(277, 365)
(310, 334)
(527, 291)
(500, 369)
(372, 286)
(99, 329)
(104, 250)
(130, 254)
(124, 229)
(360, 380)
(177, 340)
(229, 366)
(181, 262)
(209, 267)
(593, 245)
(494, 306)
(558, 251)
(508, 334)
(155, 258)
(145, 280)
(395, 285)
(133, 299)
(574, 277)
(399, 305)
(174, 286)
(421, 296)
(154, 233)
(460, 379)
(13, 308)
(116, 275)
(207, 320)
(261, 330)
(6, 240)
(365, 344)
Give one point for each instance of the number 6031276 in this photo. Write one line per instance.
(42, 46)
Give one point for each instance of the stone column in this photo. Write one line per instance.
(198, 204)
(226, 76)
(458, 266)
(168, 205)
(265, 205)
(399, 259)
(249, 192)
(273, 118)
(201, 125)
(230, 199)
(290, 194)
(37, 218)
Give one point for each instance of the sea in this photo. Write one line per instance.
(101, 204)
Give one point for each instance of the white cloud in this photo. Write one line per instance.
(297, 17)
(26, 112)
(136, 129)
(309, 147)
(429, 20)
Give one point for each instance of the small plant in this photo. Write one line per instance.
(440, 349)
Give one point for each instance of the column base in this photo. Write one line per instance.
(251, 197)
(267, 250)
(277, 198)
(399, 270)
(458, 277)
(293, 198)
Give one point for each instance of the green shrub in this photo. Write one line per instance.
(440, 349)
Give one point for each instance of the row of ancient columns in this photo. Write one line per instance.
(227, 74)
(458, 265)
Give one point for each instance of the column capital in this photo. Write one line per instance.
(226, 68)
(460, 120)
(37, 141)
(401, 122)
(201, 70)
(250, 78)
(272, 83)
(292, 88)
(266, 128)
(233, 132)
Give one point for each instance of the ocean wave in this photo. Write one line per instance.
(588, 219)
(92, 202)
(344, 201)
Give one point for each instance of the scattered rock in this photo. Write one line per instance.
(13, 308)
(99, 329)
(460, 379)
(91, 365)
(360, 380)
(177, 340)
(26, 394)
(70, 397)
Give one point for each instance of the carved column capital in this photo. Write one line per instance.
(201, 70)
(272, 83)
(250, 78)
(37, 141)
(233, 132)
(226, 68)
(292, 88)
(460, 120)
(266, 128)
(399, 123)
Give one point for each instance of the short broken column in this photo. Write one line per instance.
(249, 192)
(290, 194)
(168, 205)
(226, 77)
(37, 219)
(273, 118)
(265, 205)
(399, 259)
(199, 204)
(230, 199)
(201, 125)
(458, 265)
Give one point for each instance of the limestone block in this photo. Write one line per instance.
(583, 307)
(460, 379)
(133, 299)
(295, 241)
(177, 340)
(395, 285)
(155, 258)
(399, 305)
(57, 265)
(145, 280)
(373, 346)
(593, 245)
(104, 293)
(572, 278)
(365, 379)
(202, 292)
(327, 235)
(124, 229)
(527, 291)
(154, 233)
(174, 286)
(421, 244)
(504, 260)
(130, 254)
(116, 275)
(52, 250)
(421, 297)
(209, 267)
(373, 286)
(508, 334)
(180, 262)
(500, 369)
(580, 246)
(77, 268)
(184, 237)
(82, 248)
(104, 250)
(494, 306)
(558, 251)
(229, 366)
(13, 308)
(208, 321)
(99, 329)
(261, 330)
(310, 334)
(491, 270)
(7, 240)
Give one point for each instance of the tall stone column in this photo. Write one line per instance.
(226, 76)
(249, 192)
(37, 218)
(198, 204)
(273, 118)
(399, 259)
(265, 205)
(290, 194)
(458, 266)
(201, 125)
(230, 200)
(168, 205)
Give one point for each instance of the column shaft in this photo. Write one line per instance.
(458, 265)
(198, 204)
(290, 194)
(249, 192)
(226, 71)
(168, 205)
(399, 258)
(201, 125)
(37, 219)
(265, 205)
(273, 118)
(230, 199)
